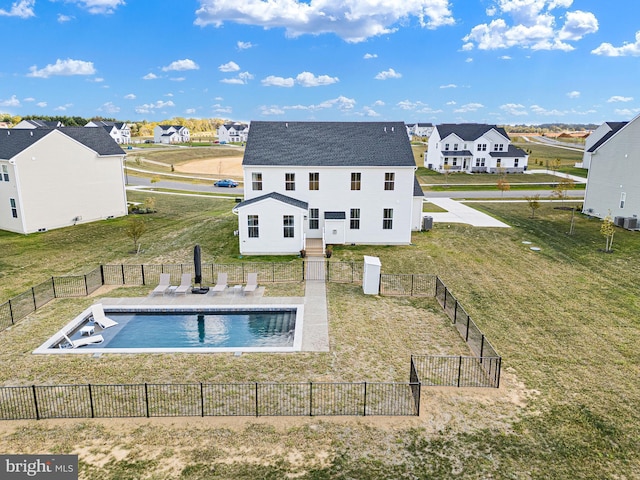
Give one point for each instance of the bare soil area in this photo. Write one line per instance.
(224, 166)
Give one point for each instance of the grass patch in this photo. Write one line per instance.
(494, 187)
(177, 156)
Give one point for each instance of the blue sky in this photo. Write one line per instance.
(439, 61)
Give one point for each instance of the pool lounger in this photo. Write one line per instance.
(81, 342)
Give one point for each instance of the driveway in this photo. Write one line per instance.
(460, 213)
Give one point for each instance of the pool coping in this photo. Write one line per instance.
(71, 327)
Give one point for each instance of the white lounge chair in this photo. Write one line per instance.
(221, 284)
(99, 318)
(252, 282)
(185, 284)
(163, 285)
(81, 342)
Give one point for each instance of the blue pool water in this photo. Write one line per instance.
(207, 329)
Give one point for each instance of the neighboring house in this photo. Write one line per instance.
(38, 124)
(52, 178)
(4, 125)
(233, 132)
(339, 182)
(613, 183)
(119, 131)
(420, 130)
(171, 134)
(473, 148)
(600, 135)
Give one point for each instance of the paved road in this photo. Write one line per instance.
(177, 185)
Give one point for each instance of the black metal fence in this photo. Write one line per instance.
(457, 371)
(224, 399)
(407, 284)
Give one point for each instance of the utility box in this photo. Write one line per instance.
(630, 223)
(427, 223)
(371, 275)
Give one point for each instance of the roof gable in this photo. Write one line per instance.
(340, 144)
(615, 128)
(468, 131)
(275, 196)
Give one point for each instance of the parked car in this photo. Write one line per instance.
(226, 183)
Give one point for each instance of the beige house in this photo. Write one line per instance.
(52, 178)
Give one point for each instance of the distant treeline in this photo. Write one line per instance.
(550, 127)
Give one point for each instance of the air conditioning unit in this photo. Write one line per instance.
(427, 223)
(630, 223)
(618, 221)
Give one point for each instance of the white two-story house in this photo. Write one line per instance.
(421, 130)
(600, 135)
(473, 148)
(171, 134)
(52, 178)
(119, 131)
(613, 183)
(340, 182)
(233, 132)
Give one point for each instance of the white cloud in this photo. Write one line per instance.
(378, 103)
(573, 94)
(273, 81)
(99, 6)
(241, 79)
(219, 99)
(354, 21)
(109, 107)
(342, 103)
(29, 99)
(533, 25)
(245, 45)
(41, 104)
(308, 79)
(514, 109)
(130, 96)
(391, 73)
(177, 79)
(627, 49)
(409, 105)
(450, 85)
(469, 60)
(229, 67)
(64, 18)
(150, 76)
(469, 107)
(152, 107)
(22, 9)
(11, 102)
(505, 57)
(452, 102)
(190, 111)
(273, 110)
(181, 65)
(627, 112)
(368, 56)
(63, 108)
(369, 112)
(97, 80)
(618, 98)
(537, 109)
(63, 67)
(223, 110)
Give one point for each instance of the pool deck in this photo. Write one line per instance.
(315, 332)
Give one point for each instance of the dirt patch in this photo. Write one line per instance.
(225, 166)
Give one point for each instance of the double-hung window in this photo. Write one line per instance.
(389, 180)
(290, 181)
(314, 181)
(14, 208)
(5, 173)
(252, 224)
(287, 225)
(256, 181)
(314, 218)
(356, 178)
(354, 219)
(387, 219)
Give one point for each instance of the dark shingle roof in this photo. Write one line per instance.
(459, 153)
(468, 131)
(512, 152)
(276, 196)
(96, 139)
(425, 124)
(615, 126)
(328, 144)
(335, 216)
(417, 189)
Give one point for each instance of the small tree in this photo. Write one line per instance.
(503, 185)
(446, 169)
(607, 230)
(534, 203)
(556, 164)
(562, 188)
(135, 229)
(150, 204)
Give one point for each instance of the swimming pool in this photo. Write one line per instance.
(188, 329)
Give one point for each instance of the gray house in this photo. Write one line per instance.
(613, 183)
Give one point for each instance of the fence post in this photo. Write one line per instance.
(455, 313)
(444, 303)
(481, 347)
(142, 272)
(256, 399)
(466, 336)
(273, 272)
(53, 284)
(91, 401)
(33, 294)
(303, 265)
(412, 277)
(122, 267)
(201, 399)
(311, 399)
(459, 370)
(146, 398)
(102, 273)
(364, 408)
(11, 312)
(498, 372)
(86, 285)
(35, 402)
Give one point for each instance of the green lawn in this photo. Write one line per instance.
(565, 319)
